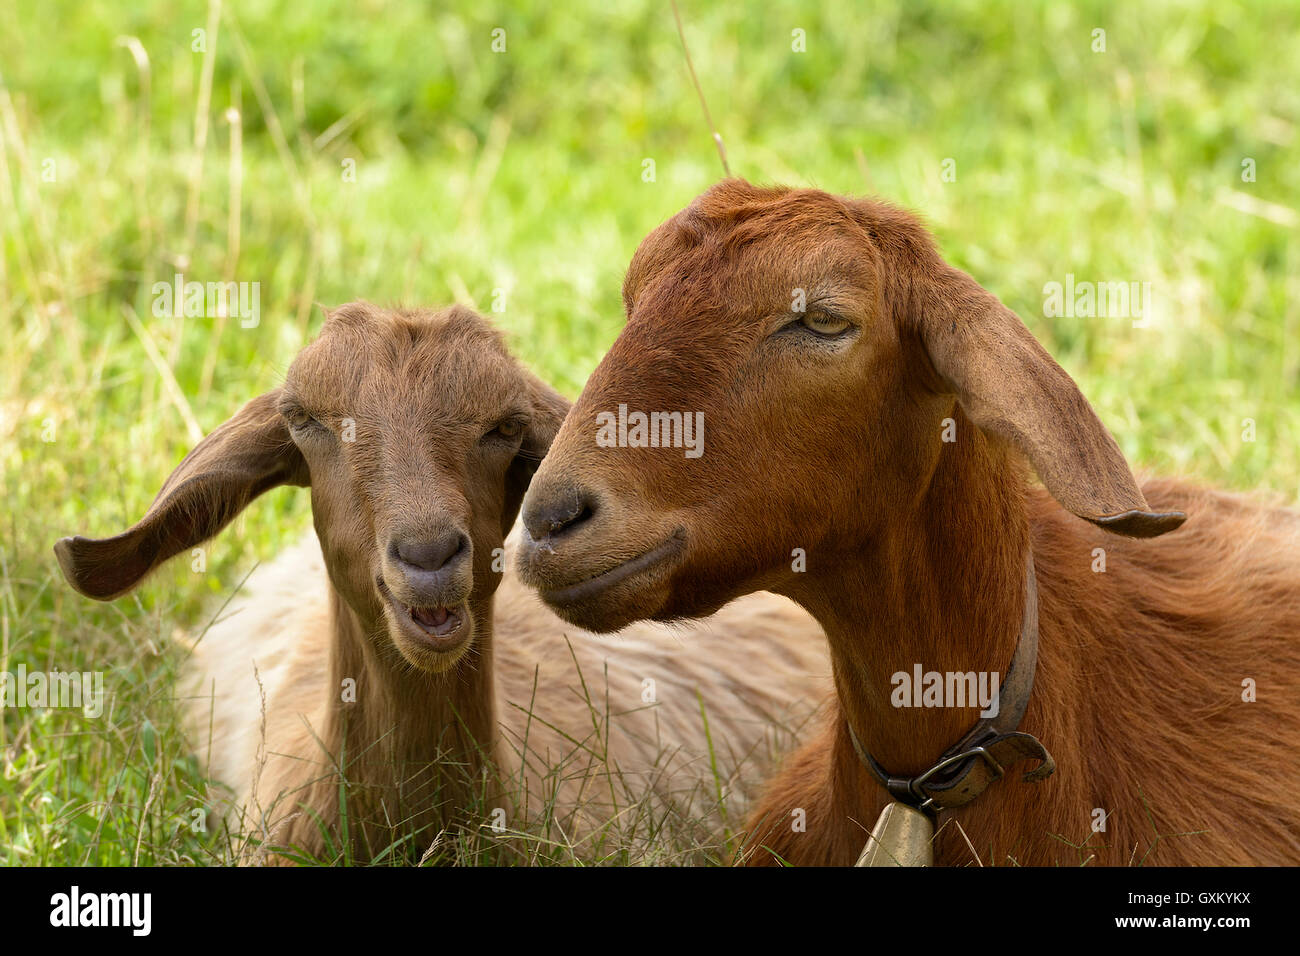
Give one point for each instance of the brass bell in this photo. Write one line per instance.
(902, 836)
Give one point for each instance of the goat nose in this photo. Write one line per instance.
(428, 554)
(559, 512)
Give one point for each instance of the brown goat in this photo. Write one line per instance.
(869, 410)
(383, 673)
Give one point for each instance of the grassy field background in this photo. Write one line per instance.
(126, 157)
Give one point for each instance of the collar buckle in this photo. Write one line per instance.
(916, 785)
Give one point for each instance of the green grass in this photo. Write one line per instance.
(522, 172)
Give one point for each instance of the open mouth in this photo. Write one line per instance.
(592, 586)
(441, 628)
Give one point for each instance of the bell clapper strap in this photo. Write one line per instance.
(966, 768)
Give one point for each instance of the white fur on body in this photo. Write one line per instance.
(759, 666)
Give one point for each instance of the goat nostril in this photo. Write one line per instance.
(562, 513)
(429, 554)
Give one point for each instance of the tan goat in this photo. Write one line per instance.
(387, 674)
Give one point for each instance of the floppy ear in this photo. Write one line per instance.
(549, 409)
(237, 462)
(1008, 385)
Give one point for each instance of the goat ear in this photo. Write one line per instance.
(246, 456)
(1008, 385)
(549, 409)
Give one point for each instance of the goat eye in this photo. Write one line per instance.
(299, 419)
(828, 326)
(507, 430)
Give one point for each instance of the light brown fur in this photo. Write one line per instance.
(394, 418)
(281, 619)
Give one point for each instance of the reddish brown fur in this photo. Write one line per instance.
(915, 546)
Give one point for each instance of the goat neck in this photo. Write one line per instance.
(407, 726)
(939, 583)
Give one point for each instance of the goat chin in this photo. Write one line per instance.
(262, 672)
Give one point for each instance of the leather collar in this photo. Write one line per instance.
(967, 768)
